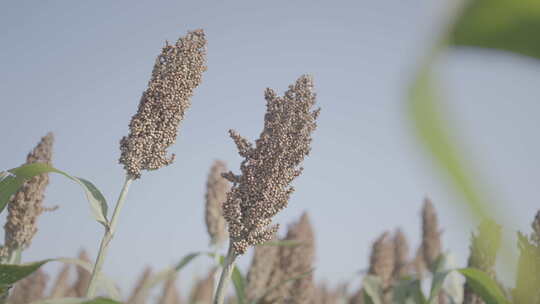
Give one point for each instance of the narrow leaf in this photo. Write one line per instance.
(186, 260)
(10, 184)
(99, 300)
(436, 285)
(408, 291)
(11, 273)
(484, 286)
(169, 272)
(239, 283)
(373, 289)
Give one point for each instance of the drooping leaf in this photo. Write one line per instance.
(484, 286)
(163, 275)
(433, 131)
(11, 273)
(509, 25)
(10, 184)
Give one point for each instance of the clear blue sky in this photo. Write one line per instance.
(78, 68)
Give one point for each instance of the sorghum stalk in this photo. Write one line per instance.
(177, 72)
(107, 237)
(225, 277)
(263, 189)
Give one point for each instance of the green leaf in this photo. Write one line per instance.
(186, 260)
(408, 291)
(372, 289)
(99, 300)
(11, 273)
(61, 301)
(103, 281)
(484, 286)
(431, 128)
(436, 285)
(239, 283)
(10, 184)
(509, 25)
(169, 272)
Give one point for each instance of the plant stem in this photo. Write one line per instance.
(107, 237)
(228, 266)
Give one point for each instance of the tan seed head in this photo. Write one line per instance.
(26, 205)
(431, 236)
(177, 72)
(401, 246)
(382, 259)
(29, 289)
(216, 193)
(203, 290)
(269, 166)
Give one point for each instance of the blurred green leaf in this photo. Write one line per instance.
(372, 289)
(239, 283)
(61, 301)
(436, 285)
(509, 25)
(432, 130)
(10, 184)
(100, 300)
(167, 273)
(408, 291)
(484, 286)
(11, 273)
(186, 260)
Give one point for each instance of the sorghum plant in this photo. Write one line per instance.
(263, 187)
(177, 72)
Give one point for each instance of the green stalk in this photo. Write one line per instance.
(219, 297)
(107, 237)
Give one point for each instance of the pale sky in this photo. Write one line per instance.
(78, 68)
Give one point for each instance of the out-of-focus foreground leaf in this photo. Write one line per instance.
(509, 25)
(433, 131)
